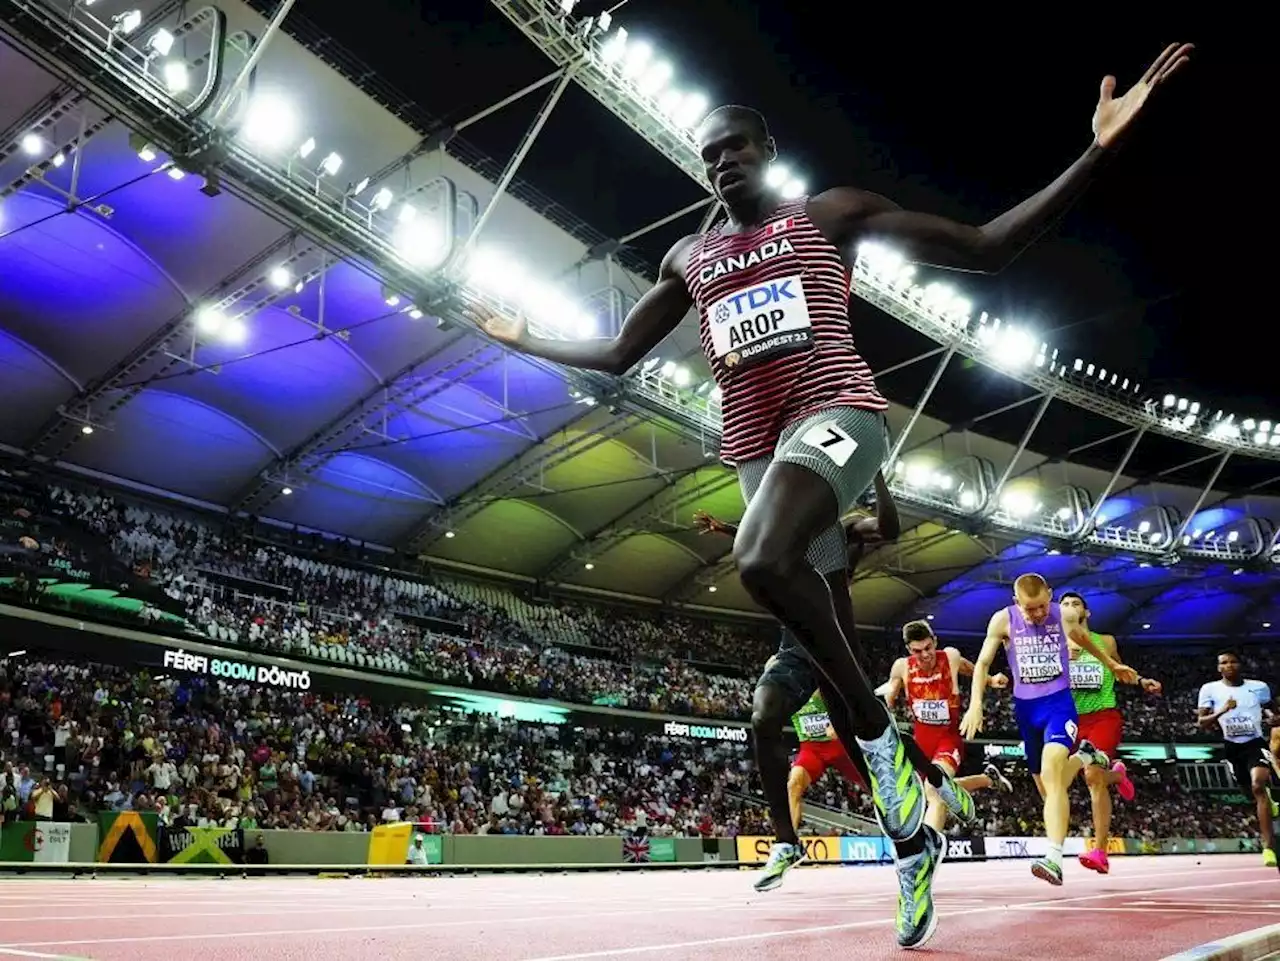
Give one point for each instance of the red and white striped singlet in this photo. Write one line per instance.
(774, 309)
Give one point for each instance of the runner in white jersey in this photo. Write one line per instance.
(803, 422)
(1244, 710)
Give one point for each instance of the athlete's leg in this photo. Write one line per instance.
(976, 782)
(1099, 782)
(1261, 779)
(1058, 767)
(935, 814)
(792, 507)
(767, 719)
(838, 584)
(798, 782)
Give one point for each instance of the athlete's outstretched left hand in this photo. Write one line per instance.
(1151, 685)
(971, 724)
(1113, 115)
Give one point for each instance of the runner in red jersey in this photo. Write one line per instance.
(803, 421)
(931, 680)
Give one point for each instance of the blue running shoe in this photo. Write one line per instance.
(917, 917)
(957, 799)
(896, 786)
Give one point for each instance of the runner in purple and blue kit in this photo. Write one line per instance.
(1035, 630)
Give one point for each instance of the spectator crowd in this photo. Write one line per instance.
(239, 589)
(77, 738)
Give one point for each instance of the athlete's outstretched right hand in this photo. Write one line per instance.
(508, 330)
(1125, 674)
(971, 724)
(704, 523)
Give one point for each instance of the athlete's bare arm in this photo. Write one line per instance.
(1148, 684)
(1076, 631)
(1208, 717)
(656, 315)
(897, 678)
(997, 636)
(965, 669)
(847, 216)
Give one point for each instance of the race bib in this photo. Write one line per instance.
(1239, 725)
(1039, 664)
(932, 712)
(815, 725)
(760, 323)
(1086, 677)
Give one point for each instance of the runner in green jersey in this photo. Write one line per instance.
(819, 750)
(1093, 688)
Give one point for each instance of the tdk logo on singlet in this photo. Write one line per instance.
(756, 311)
(753, 258)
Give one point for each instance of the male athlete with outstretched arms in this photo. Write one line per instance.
(1093, 688)
(930, 678)
(802, 420)
(1035, 632)
(1243, 708)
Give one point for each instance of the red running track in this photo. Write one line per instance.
(1146, 909)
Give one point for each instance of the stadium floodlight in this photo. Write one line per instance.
(280, 278)
(214, 323)
(161, 42)
(382, 199)
(308, 146)
(493, 273)
(176, 173)
(420, 241)
(331, 164)
(613, 49)
(32, 144)
(650, 78)
(636, 59)
(792, 189)
(1018, 503)
(691, 110)
(681, 376)
(175, 76)
(127, 22)
(1013, 347)
(655, 80)
(270, 123)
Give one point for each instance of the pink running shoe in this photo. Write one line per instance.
(1096, 860)
(1124, 786)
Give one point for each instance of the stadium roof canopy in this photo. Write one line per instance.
(277, 339)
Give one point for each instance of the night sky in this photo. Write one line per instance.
(1154, 274)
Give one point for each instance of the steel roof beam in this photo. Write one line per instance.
(314, 452)
(130, 367)
(511, 476)
(1204, 492)
(633, 520)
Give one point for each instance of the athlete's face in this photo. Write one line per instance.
(734, 157)
(925, 651)
(1229, 667)
(1035, 607)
